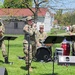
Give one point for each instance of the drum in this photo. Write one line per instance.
(66, 48)
(43, 53)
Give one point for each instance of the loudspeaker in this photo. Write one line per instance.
(3, 71)
(58, 51)
(70, 60)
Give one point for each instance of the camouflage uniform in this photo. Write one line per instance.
(2, 45)
(29, 31)
(41, 35)
(72, 29)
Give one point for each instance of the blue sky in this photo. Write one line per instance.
(1, 0)
(63, 3)
(69, 5)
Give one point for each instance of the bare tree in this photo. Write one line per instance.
(37, 4)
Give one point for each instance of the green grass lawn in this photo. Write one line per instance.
(39, 68)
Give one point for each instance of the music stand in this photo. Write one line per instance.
(54, 40)
(70, 38)
(8, 38)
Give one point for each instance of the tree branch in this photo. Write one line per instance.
(41, 2)
(30, 8)
(34, 1)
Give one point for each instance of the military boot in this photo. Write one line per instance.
(30, 69)
(23, 58)
(6, 60)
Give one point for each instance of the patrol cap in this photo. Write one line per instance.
(41, 26)
(29, 18)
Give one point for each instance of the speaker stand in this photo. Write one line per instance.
(53, 64)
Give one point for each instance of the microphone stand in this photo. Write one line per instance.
(28, 36)
(28, 52)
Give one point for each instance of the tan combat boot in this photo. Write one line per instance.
(30, 69)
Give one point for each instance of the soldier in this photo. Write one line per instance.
(41, 35)
(2, 45)
(72, 32)
(29, 41)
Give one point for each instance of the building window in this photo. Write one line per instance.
(15, 25)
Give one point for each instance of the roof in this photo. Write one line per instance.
(21, 12)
